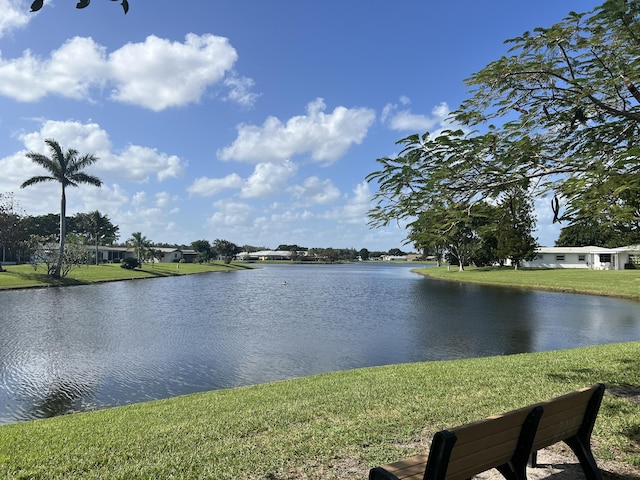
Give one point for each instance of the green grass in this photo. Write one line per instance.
(24, 276)
(617, 283)
(335, 425)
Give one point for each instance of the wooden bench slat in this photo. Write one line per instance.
(500, 441)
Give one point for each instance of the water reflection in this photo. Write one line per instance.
(85, 347)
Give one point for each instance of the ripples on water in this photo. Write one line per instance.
(87, 347)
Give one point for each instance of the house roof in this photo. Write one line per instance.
(588, 249)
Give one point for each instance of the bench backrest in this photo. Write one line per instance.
(506, 441)
(482, 445)
(569, 415)
(495, 441)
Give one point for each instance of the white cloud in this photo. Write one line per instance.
(268, 179)
(13, 15)
(326, 137)
(206, 187)
(156, 74)
(405, 120)
(230, 214)
(356, 208)
(165, 199)
(135, 163)
(70, 72)
(314, 191)
(241, 90)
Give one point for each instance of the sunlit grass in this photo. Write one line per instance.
(24, 276)
(329, 426)
(619, 283)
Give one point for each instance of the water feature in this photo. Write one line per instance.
(78, 348)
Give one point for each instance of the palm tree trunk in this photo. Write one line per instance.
(63, 231)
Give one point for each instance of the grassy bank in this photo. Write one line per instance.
(335, 425)
(24, 276)
(616, 283)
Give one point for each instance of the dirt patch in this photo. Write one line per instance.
(554, 463)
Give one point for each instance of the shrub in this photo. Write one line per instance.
(130, 263)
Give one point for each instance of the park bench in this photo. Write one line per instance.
(507, 442)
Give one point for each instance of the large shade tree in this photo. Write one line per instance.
(560, 113)
(66, 168)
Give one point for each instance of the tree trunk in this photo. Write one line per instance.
(63, 231)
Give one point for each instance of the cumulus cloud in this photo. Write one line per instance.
(325, 137)
(206, 187)
(155, 74)
(230, 214)
(268, 179)
(403, 119)
(165, 199)
(356, 208)
(314, 191)
(158, 73)
(241, 90)
(13, 15)
(136, 163)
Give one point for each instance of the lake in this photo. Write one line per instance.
(79, 348)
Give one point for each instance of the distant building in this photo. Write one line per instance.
(596, 258)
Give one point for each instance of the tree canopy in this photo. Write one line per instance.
(558, 115)
(38, 4)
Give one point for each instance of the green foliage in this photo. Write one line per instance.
(141, 246)
(560, 113)
(38, 4)
(203, 247)
(130, 263)
(515, 226)
(13, 237)
(225, 250)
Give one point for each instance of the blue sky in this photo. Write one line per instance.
(254, 121)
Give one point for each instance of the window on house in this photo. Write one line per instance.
(559, 258)
(581, 258)
(605, 257)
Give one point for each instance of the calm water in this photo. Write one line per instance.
(78, 348)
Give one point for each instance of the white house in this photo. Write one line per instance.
(597, 258)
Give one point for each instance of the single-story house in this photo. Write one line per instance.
(596, 258)
(167, 255)
(117, 254)
(394, 258)
(111, 254)
(264, 255)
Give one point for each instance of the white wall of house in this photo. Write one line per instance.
(596, 258)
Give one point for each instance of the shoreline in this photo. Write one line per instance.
(25, 277)
(568, 289)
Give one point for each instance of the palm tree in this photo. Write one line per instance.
(97, 228)
(140, 245)
(65, 168)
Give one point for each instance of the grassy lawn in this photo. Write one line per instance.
(24, 276)
(335, 425)
(618, 283)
